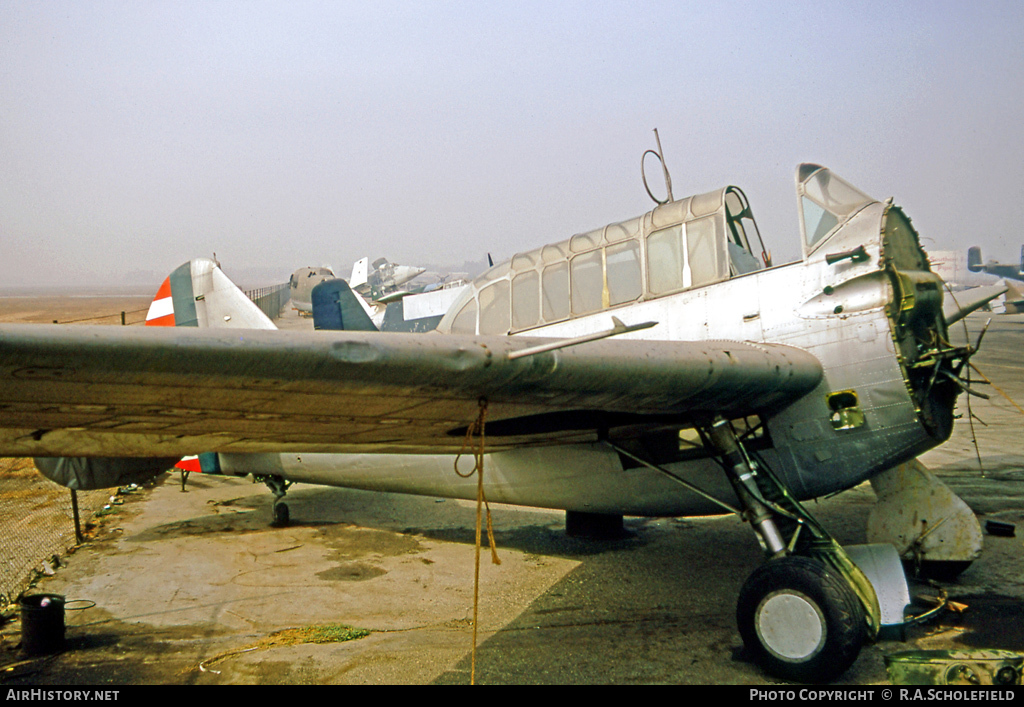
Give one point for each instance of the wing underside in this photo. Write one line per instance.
(115, 391)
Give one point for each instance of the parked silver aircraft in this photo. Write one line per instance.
(301, 284)
(382, 279)
(661, 366)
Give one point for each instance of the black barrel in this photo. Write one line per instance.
(42, 623)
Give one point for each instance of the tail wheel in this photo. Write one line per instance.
(281, 515)
(800, 619)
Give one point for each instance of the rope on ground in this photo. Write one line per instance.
(477, 430)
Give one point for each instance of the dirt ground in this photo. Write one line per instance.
(74, 309)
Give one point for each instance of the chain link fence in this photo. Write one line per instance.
(36, 515)
(38, 524)
(271, 300)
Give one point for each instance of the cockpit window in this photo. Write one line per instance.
(702, 251)
(587, 279)
(494, 308)
(688, 243)
(525, 300)
(834, 194)
(623, 272)
(665, 260)
(825, 201)
(817, 221)
(465, 320)
(741, 226)
(555, 289)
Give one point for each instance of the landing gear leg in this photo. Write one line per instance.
(742, 475)
(803, 615)
(279, 487)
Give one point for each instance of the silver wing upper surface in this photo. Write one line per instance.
(116, 391)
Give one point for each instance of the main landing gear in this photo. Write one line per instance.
(806, 612)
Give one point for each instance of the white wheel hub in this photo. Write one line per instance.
(790, 625)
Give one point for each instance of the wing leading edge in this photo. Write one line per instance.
(115, 391)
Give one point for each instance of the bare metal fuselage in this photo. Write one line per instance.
(864, 318)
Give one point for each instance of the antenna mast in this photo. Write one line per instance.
(664, 169)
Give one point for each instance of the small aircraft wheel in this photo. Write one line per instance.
(281, 515)
(800, 619)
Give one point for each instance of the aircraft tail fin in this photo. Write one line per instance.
(199, 294)
(974, 263)
(360, 273)
(336, 307)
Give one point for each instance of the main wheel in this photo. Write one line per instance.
(800, 619)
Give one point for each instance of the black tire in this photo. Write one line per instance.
(784, 595)
(281, 515)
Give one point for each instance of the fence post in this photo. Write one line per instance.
(74, 510)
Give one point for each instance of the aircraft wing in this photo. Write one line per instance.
(119, 391)
(957, 306)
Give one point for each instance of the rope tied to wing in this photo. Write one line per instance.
(473, 431)
(477, 430)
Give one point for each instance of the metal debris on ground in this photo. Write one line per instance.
(954, 667)
(996, 527)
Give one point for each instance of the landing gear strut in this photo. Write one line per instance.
(279, 487)
(806, 612)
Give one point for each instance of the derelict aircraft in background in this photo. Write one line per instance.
(1004, 270)
(961, 271)
(384, 279)
(301, 284)
(380, 285)
(661, 366)
(377, 302)
(337, 307)
(1011, 274)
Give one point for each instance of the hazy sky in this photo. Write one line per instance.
(136, 135)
